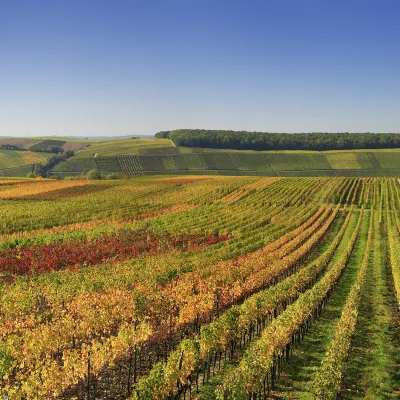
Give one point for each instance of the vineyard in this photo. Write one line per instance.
(124, 157)
(14, 159)
(125, 146)
(153, 156)
(201, 286)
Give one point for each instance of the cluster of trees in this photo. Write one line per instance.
(10, 147)
(163, 134)
(49, 146)
(94, 175)
(53, 149)
(243, 140)
(42, 169)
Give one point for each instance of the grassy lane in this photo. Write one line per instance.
(207, 392)
(374, 364)
(295, 381)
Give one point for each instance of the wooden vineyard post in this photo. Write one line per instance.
(88, 378)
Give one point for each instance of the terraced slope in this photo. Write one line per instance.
(297, 161)
(180, 161)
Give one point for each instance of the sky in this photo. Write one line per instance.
(115, 67)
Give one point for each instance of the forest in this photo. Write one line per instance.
(243, 140)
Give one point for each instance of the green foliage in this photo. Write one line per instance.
(43, 169)
(93, 175)
(68, 154)
(328, 379)
(37, 170)
(50, 146)
(55, 149)
(6, 359)
(11, 147)
(75, 166)
(153, 383)
(113, 176)
(73, 177)
(162, 135)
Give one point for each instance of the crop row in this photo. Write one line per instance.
(328, 379)
(77, 253)
(164, 328)
(257, 371)
(193, 359)
(101, 328)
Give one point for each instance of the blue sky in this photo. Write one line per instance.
(83, 67)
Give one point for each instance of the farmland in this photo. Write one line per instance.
(125, 146)
(43, 144)
(115, 158)
(202, 286)
(18, 156)
(153, 156)
(12, 158)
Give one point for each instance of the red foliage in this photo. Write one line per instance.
(76, 254)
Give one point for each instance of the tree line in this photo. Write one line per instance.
(43, 169)
(243, 140)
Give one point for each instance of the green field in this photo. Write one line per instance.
(76, 166)
(297, 162)
(122, 147)
(12, 158)
(21, 171)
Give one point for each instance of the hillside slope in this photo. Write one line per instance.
(141, 156)
(284, 163)
(124, 146)
(12, 158)
(18, 156)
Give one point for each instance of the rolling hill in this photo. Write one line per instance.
(146, 156)
(175, 160)
(19, 163)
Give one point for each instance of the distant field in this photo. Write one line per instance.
(120, 147)
(12, 158)
(76, 165)
(297, 161)
(182, 161)
(21, 171)
(20, 142)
